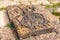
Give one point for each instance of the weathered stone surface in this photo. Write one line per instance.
(31, 19)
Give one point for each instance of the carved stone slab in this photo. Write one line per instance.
(30, 20)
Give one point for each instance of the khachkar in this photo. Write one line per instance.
(30, 20)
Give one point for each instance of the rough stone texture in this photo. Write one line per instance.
(29, 20)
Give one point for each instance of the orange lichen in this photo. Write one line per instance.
(23, 31)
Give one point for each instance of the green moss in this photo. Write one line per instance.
(10, 25)
(2, 8)
(49, 0)
(52, 6)
(59, 18)
(56, 5)
(56, 13)
(47, 6)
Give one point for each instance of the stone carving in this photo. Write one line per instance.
(30, 19)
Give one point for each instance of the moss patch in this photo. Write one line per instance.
(2, 8)
(56, 5)
(10, 25)
(56, 13)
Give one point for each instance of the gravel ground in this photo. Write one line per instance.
(6, 34)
